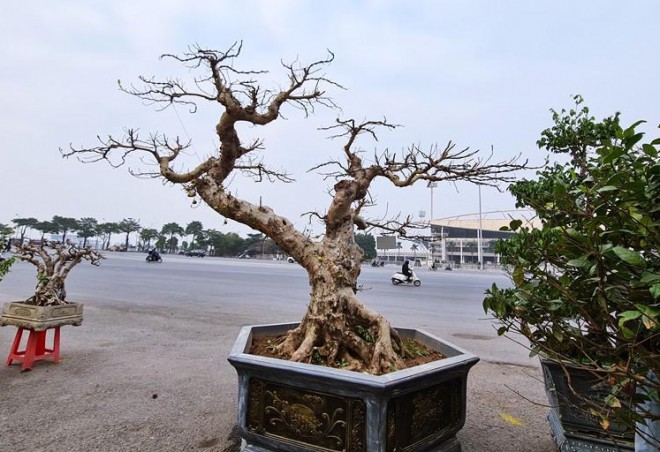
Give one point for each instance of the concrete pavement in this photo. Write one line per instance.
(140, 376)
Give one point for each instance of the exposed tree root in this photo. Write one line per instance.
(354, 338)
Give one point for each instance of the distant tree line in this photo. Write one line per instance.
(171, 238)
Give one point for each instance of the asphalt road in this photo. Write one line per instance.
(147, 369)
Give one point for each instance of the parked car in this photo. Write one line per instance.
(196, 253)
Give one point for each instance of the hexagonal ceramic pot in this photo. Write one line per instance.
(296, 407)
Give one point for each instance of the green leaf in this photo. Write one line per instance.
(649, 323)
(518, 276)
(612, 401)
(650, 278)
(631, 139)
(628, 315)
(613, 154)
(629, 256)
(634, 125)
(558, 334)
(651, 315)
(627, 332)
(515, 224)
(649, 150)
(607, 188)
(580, 262)
(655, 291)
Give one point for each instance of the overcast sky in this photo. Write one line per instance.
(479, 73)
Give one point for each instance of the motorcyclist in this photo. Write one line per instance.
(153, 254)
(405, 269)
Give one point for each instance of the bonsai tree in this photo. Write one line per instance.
(336, 327)
(586, 286)
(54, 261)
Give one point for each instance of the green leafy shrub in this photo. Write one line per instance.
(5, 263)
(586, 286)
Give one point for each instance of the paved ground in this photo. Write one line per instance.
(146, 374)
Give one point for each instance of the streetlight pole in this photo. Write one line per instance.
(432, 185)
(479, 236)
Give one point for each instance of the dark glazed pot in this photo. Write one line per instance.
(573, 428)
(295, 407)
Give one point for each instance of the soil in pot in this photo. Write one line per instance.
(417, 353)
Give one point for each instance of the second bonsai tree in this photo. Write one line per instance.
(54, 260)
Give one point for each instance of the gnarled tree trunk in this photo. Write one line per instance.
(337, 329)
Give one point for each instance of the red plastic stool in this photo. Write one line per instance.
(35, 349)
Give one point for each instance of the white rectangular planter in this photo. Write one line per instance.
(40, 318)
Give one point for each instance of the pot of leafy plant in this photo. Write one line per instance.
(586, 285)
(47, 309)
(342, 336)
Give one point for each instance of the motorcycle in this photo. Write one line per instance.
(400, 278)
(153, 256)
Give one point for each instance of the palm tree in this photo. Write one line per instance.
(172, 229)
(87, 227)
(414, 247)
(45, 227)
(147, 235)
(160, 241)
(194, 228)
(128, 225)
(64, 225)
(23, 224)
(106, 230)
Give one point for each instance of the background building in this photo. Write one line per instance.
(455, 241)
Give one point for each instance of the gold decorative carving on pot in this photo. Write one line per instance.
(358, 427)
(255, 406)
(423, 415)
(313, 420)
(428, 410)
(391, 428)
